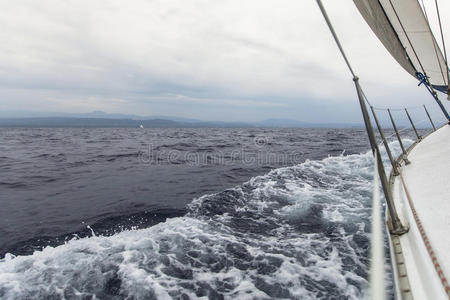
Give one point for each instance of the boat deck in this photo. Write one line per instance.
(427, 182)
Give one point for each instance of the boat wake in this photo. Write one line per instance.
(298, 232)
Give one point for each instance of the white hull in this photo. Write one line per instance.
(417, 273)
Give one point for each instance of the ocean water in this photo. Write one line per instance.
(184, 213)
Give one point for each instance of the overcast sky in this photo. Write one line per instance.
(233, 60)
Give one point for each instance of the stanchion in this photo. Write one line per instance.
(412, 124)
(405, 155)
(386, 145)
(429, 118)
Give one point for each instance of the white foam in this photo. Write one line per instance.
(193, 255)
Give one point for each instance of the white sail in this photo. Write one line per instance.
(404, 30)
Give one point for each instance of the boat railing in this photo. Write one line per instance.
(414, 129)
(424, 129)
(397, 255)
(396, 227)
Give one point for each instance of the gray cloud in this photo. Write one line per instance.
(225, 60)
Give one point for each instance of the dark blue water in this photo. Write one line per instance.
(184, 213)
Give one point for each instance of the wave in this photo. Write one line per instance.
(296, 232)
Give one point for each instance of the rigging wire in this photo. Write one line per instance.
(422, 76)
(341, 49)
(330, 26)
(401, 109)
(408, 39)
(433, 41)
(443, 47)
(397, 226)
(366, 99)
(402, 130)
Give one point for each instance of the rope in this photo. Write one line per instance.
(355, 78)
(433, 40)
(425, 239)
(428, 85)
(407, 37)
(423, 79)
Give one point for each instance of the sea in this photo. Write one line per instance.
(209, 213)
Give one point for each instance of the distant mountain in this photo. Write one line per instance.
(110, 123)
(91, 115)
(176, 119)
(287, 123)
(282, 123)
(103, 119)
(86, 122)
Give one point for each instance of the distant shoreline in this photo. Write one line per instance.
(72, 122)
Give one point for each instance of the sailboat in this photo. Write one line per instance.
(417, 190)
